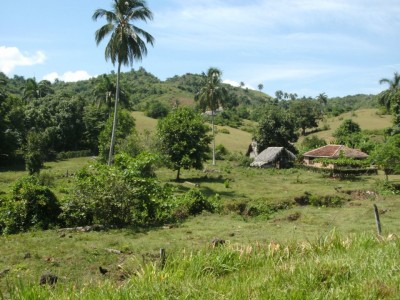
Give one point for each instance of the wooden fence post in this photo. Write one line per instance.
(162, 258)
(377, 220)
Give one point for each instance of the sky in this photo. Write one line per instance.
(307, 47)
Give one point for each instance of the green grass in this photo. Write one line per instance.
(58, 170)
(323, 252)
(236, 141)
(333, 267)
(309, 252)
(368, 119)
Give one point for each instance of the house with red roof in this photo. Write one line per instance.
(331, 152)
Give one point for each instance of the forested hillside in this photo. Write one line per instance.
(44, 119)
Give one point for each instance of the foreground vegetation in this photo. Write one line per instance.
(357, 267)
(276, 245)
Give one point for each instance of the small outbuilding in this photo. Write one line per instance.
(274, 157)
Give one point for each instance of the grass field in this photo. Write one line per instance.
(368, 119)
(236, 141)
(285, 251)
(76, 256)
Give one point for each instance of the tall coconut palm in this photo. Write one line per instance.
(391, 96)
(127, 42)
(211, 96)
(3, 83)
(35, 90)
(104, 91)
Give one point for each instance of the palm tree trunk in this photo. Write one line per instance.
(110, 155)
(213, 135)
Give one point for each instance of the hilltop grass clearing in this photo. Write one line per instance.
(369, 120)
(236, 140)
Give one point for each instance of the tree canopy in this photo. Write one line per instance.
(184, 139)
(276, 128)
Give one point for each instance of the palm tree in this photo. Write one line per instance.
(104, 91)
(322, 99)
(3, 83)
(127, 42)
(35, 90)
(391, 96)
(211, 95)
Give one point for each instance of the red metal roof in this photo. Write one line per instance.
(333, 151)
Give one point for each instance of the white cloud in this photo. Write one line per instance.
(70, 76)
(237, 84)
(11, 57)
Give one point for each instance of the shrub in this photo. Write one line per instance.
(240, 159)
(221, 152)
(317, 200)
(127, 193)
(73, 154)
(31, 205)
(312, 142)
(157, 110)
(196, 202)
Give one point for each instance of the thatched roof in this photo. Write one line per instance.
(333, 151)
(270, 155)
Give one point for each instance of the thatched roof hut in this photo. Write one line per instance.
(278, 157)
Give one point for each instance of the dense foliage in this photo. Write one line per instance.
(276, 128)
(183, 139)
(31, 205)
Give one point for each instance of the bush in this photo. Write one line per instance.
(127, 193)
(312, 142)
(318, 201)
(221, 152)
(73, 154)
(157, 110)
(31, 205)
(195, 202)
(240, 159)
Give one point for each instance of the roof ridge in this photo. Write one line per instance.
(338, 149)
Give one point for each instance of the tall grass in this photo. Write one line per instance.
(333, 267)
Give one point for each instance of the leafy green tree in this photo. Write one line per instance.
(126, 43)
(11, 124)
(156, 109)
(183, 139)
(260, 87)
(125, 128)
(312, 142)
(306, 112)
(276, 128)
(348, 127)
(387, 155)
(349, 134)
(94, 121)
(211, 96)
(35, 152)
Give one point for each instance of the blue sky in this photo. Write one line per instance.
(339, 47)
